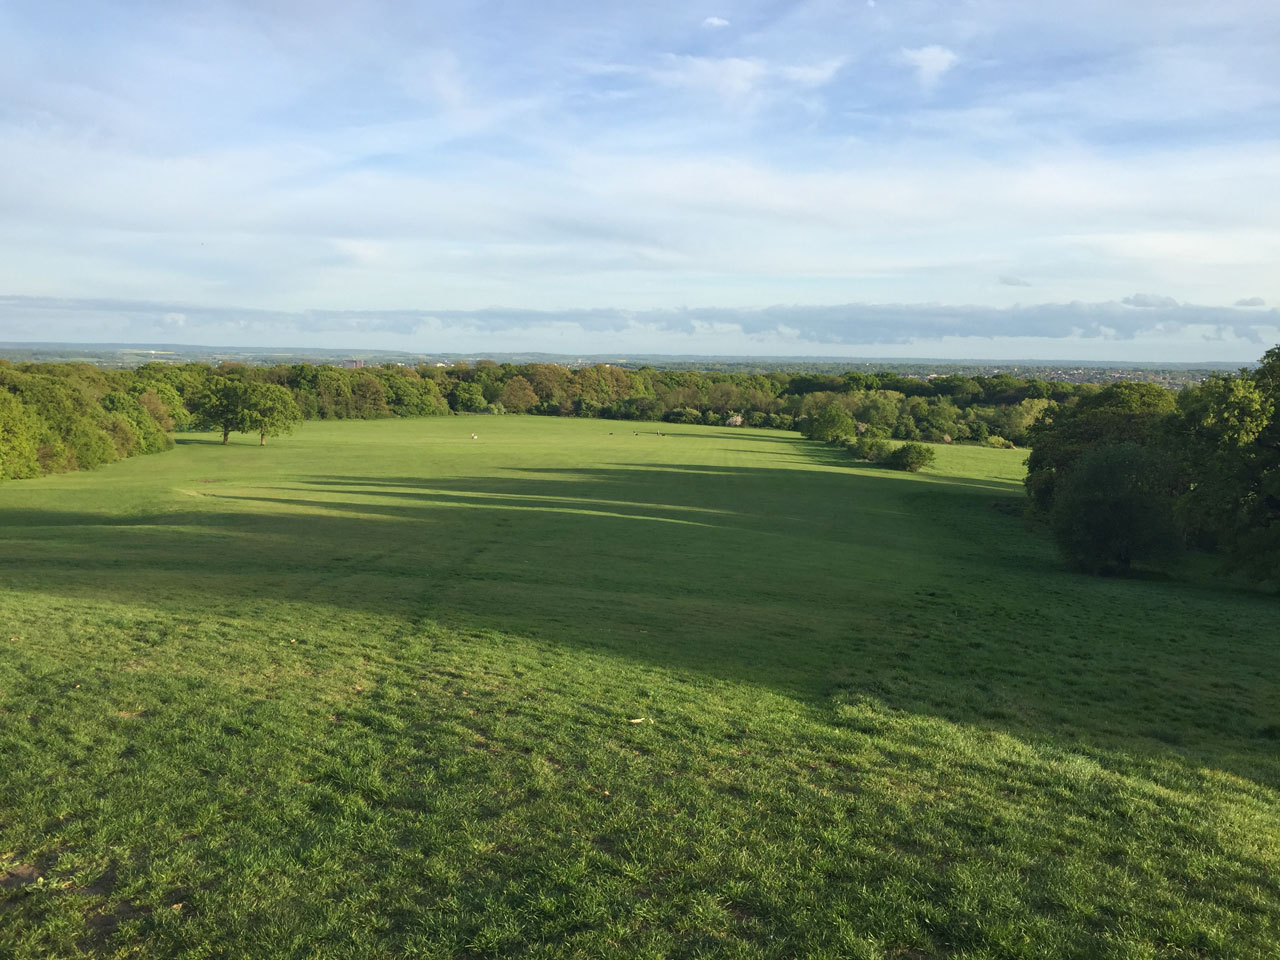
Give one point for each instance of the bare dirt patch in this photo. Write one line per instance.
(19, 875)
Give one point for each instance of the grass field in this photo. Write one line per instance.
(373, 691)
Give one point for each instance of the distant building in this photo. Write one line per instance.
(352, 364)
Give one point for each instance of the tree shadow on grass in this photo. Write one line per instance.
(819, 584)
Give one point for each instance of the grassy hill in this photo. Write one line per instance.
(383, 690)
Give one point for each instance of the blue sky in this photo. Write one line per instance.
(969, 179)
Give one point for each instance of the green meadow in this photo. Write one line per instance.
(382, 690)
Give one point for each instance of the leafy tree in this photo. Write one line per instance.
(223, 406)
(830, 423)
(19, 434)
(1111, 511)
(368, 398)
(1229, 446)
(271, 411)
(1120, 413)
(517, 395)
(467, 397)
(266, 409)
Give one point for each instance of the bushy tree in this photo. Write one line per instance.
(1112, 510)
(1229, 442)
(223, 405)
(912, 457)
(272, 411)
(517, 395)
(1120, 413)
(19, 434)
(266, 409)
(869, 448)
(467, 397)
(830, 423)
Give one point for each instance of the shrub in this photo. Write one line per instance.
(682, 415)
(869, 448)
(911, 456)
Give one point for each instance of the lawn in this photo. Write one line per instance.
(383, 690)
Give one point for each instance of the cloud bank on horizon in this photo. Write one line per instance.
(906, 177)
(1139, 327)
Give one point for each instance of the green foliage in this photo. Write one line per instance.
(518, 396)
(869, 448)
(912, 457)
(830, 424)
(223, 405)
(238, 406)
(271, 411)
(1228, 445)
(1120, 413)
(19, 436)
(1110, 511)
(467, 397)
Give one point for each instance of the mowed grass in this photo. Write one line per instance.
(382, 690)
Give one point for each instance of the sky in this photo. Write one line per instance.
(969, 178)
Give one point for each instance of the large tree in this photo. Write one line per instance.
(1123, 412)
(266, 409)
(517, 395)
(272, 411)
(1111, 510)
(222, 405)
(1229, 441)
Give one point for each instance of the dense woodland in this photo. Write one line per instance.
(1126, 473)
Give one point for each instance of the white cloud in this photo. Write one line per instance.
(732, 78)
(1149, 301)
(813, 75)
(746, 83)
(930, 63)
(715, 23)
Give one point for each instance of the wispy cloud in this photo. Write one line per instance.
(715, 23)
(930, 63)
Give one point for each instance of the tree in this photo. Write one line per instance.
(830, 423)
(1120, 413)
(19, 433)
(223, 406)
(1111, 511)
(467, 397)
(271, 411)
(266, 409)
(1228, 441)
(517, 395)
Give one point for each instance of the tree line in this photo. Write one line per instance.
(67, 416)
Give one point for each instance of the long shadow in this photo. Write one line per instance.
(819, 584)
